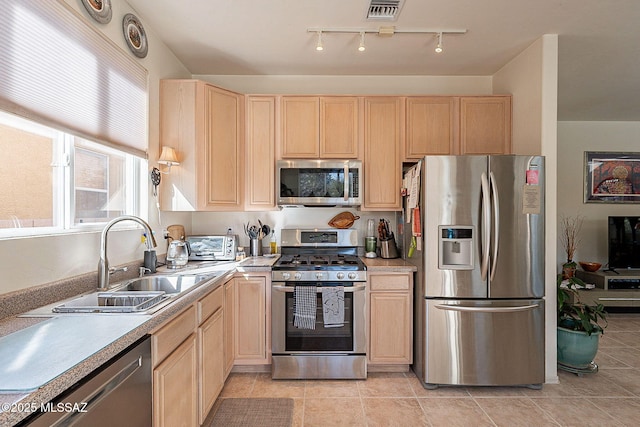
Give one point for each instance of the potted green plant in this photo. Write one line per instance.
(579, 326)
(570, 238)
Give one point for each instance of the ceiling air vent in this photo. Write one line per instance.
(384, 10)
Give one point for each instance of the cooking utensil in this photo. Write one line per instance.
(266, 230)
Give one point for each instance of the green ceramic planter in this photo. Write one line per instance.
(576, 348)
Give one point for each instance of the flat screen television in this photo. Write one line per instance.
(624, 242)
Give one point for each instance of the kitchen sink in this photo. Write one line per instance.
(142, 295)
(112, 302)
(167, 284)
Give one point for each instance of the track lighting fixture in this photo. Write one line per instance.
(439, 46)
(319, 45)
(362, 48)
(385, 32)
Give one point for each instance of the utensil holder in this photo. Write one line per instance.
(255, 247)
(388, 249)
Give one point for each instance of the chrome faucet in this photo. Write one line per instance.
(103, 265)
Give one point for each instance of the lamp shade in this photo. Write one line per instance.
(168, 156)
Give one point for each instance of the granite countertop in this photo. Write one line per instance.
(121, 331)
(258, 263)
(382, 264)
(71, 341)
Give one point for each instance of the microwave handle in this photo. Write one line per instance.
(346, 181)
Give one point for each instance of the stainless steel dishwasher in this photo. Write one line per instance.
(119, 394)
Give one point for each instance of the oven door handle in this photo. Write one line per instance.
(355, 288)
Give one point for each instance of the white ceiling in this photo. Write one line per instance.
(599, 42)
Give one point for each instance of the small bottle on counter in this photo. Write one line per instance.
(273, 243)
(240, 255)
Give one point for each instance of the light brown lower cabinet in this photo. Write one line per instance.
(175, 387)
(188, 355)
(250, 320)
(211, 361)
(229, 339)
(390, 318)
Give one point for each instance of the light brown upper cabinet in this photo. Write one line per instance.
(485, 125)
(431, 126)
(319, 127)
(204, 124)
(260, 148)
(457, 125)
(383, 132)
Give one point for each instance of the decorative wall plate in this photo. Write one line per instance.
(134, 35)
(100, 10)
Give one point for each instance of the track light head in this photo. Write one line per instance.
(362, 48)
(319, 45)
(439, 46)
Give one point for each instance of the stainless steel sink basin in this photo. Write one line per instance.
(141, 295)
(112, 302)
(167, 284)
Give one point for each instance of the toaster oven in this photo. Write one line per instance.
(213, 248)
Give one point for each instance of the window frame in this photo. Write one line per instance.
(63, 192)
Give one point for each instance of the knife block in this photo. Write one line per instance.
(388, 248)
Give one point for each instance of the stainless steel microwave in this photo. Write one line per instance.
(319, 183)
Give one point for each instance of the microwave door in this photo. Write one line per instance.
(318, 183)
(346, 182)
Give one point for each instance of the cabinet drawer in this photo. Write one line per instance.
(167, 339)
(210, 304)
(389, 282)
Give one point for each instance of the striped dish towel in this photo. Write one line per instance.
(304, 307)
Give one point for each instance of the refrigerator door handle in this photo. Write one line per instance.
(486, 309)
(496, 225)
(486, 225)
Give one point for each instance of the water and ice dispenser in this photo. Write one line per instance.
(455, 247)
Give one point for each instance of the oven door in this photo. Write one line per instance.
(288, 339)
(319, 183)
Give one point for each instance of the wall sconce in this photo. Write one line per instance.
(169, 158)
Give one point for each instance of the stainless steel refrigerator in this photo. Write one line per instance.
(479, 313)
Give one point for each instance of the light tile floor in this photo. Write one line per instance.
(610, 397)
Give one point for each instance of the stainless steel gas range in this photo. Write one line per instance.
(318, 306)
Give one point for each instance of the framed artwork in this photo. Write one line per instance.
(612, 177)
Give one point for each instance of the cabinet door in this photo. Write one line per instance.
(175, 387)
(382, 166)
(391, 330)
(260, 163)
(485, 125)
(211, 361)
(229, 313)
(300, 126)
(250, 320)
(220, 185)
(338, 127)
(204, 124)
(430, 126)
(180, 128)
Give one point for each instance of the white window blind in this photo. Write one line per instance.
(56, 68)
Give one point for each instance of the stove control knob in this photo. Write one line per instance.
(353, 276)
(318, 276)
(298, 276)
(286, 276)
(340, 276)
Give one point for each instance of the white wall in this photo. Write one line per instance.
(574, 138)
(27, 262)
(532, 79)
(218, 222)
(354, 85)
